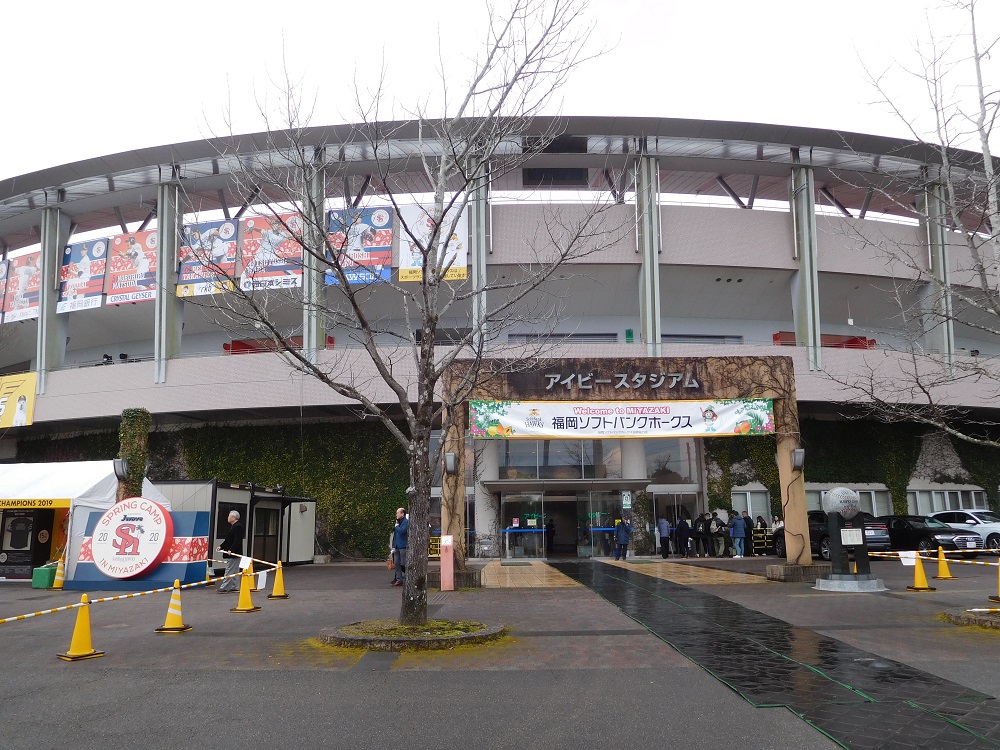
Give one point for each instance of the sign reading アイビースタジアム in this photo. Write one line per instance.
(620, 419)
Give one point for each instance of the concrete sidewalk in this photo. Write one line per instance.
(576, 669)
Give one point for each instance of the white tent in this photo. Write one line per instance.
(81, 486)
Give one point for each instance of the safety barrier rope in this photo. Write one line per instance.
(120, 597)
(254, 559)
(896, 556)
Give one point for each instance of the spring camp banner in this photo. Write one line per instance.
(208, 258)
(21, 299)
(453, 245)
(81, 275)
(593, 420)
(362, 239)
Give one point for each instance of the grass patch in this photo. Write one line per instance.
(431, 629)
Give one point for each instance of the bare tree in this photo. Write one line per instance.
(958, 202)
(406, 335)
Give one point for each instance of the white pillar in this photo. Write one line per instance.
(805, 281)
(647, 208)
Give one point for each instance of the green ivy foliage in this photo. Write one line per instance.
(983, 464)
(358, 474)
(133, 438)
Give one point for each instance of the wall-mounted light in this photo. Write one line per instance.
(107, 359)
(450, 463)
(122, 356)
(121, 468)
(798, 459)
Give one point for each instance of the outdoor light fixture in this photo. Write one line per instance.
(122, 356)
(798, 459)
(450, 463)
(107, 359)
(121, 468)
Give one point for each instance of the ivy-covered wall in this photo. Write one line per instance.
(845, 452)
(357, 472)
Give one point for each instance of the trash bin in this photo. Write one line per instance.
(43, 578)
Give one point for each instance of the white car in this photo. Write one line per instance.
(986, 523)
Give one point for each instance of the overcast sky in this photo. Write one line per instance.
(84, 79)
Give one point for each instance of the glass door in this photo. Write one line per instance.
(605, 508)
(523, 525)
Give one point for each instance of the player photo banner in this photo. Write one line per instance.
(131, 275)
(454, 244)
(270, 256)
(3, 285)
(594, 420)
(362, 239)
(208, 259)
(17, 399)
(81, 275)
(21, 299)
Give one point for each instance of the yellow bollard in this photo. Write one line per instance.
(278, 589)
(57, 582)
(997, 598)
(919, 577)
(174, 623)
(245, 603)
(80, 646)
(943, 573)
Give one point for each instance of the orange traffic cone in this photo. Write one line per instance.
(57, 582)
(175, 621)
(919, 578)
(245, 603)
(278, 589)
(997, 598)
(253, 578)
(943, 573)
(80, 646)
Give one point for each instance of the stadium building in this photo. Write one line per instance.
(732, 242)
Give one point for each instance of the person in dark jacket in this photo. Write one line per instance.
(399, 534)
(748, 524)
(701, 536)
(623, 533)
(682, 534)
(233, 545)
(663, 526)
(738, 531)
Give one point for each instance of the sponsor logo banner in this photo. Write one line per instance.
(81, 275)
(362, 239)
(583, 420)
(208, 258)
(132, 268)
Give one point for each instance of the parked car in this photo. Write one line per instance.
(986, 523)
(926, 533)
(876, 534)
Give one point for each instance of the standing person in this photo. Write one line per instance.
(718, 530)
(399, 534)
(738, 531)
(748, 541)
(700, 535)
(233, 544)
(623, 533)
(682, 534)
(550, 536)
(663, 526)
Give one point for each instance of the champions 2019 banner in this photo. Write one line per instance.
(595, 420)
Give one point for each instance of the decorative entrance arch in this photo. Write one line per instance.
(659, 380)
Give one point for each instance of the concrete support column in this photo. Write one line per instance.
(487, 507)
(50, 345)
(313, 265)
(805, 281)
(634, 459)
(169, 314)
(647, 219)
(938, 328)
(479, 243)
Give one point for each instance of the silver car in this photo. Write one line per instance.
(986, 523)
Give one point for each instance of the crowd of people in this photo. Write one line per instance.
(710, 535)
